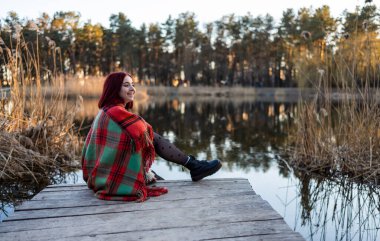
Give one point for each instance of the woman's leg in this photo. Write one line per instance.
(168, 151)
(198, 169)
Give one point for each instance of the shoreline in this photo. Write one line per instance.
(204, 93)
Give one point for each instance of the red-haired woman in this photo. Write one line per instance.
(121, 146)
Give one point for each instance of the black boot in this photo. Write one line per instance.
(200, 169)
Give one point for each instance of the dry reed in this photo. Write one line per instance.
(36, 132)
(340, 137)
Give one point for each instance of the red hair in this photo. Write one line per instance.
(111, 89)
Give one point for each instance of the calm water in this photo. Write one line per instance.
(250, 139)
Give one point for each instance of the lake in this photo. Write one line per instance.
(251, 139)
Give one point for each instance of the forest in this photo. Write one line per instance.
(233, 51)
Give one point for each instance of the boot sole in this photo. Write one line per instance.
(208, 173)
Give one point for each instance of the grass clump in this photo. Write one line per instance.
(37, 133)
(338, 132)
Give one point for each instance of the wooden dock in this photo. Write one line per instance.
(214, 209)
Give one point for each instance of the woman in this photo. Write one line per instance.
(120, 148)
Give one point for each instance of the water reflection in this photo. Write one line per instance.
(241, 133)
(338, 209)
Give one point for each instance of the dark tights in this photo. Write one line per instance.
(168, 151)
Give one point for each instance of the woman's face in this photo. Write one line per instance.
(127, 91)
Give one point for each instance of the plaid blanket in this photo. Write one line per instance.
(117, 154)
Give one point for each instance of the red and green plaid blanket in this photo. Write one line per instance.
(117, 153)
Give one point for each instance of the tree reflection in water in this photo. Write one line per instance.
(240, 133)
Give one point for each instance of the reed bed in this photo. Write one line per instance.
(37, 132)
(32, 147)
(347, 145)
(341, 137)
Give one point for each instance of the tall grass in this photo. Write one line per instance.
(338, 132)
(36, 132)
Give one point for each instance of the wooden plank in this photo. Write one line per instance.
(128, 207)
(170, 183)
(226, 209)
(234, 212)
(208, 188)
(210, 183)
(188, 231)
(92, 201)
(196, 191)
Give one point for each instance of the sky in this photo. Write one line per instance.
(157, 11)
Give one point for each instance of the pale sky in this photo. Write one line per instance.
(157, 11)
